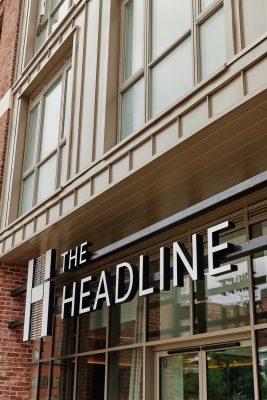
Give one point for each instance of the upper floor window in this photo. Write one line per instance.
(168, 47)
(50, 13)
(48, 129)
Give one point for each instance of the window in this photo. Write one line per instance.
(50, 13)
(167, 48)
(48, 129)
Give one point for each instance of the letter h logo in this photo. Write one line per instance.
(40, 297)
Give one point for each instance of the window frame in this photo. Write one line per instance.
(63, 140)
(199, 16)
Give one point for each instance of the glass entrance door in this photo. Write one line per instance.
(206, 374)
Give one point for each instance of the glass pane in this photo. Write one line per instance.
(67, 113)
(41, 37)
(54, 3)
(46, 347)
(168, 312)
(47, 186)
(222, 302)
(51, 122)
(34, 382)
(27, 194)
(212, 43)
(126, 323)
(59, 14)
(63, 165)
(64, 339)
(172, 77)
(62, 379)
(133, 109)
(35, 350)
(179, 377)
(43, 8)
(93, 328)
(91, 377)
(43, 381)
(206, 3)
(262, 361)
(230, 374)
(169, 21)
(31, 140)
(134, 37)
(125, 375)
(260, 275)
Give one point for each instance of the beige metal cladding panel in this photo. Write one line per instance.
(254, 19)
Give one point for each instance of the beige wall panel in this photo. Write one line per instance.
(41, 221)
(142, 154)
(68, 203)
(167, 138)
(84, 193)
(78, 83)
(254, 19)
(29, 229)
(8, 242)
(193, 119)
(227, 95)
(256, 76)
(101, 181)
(18, 236)
(53, 214)
(89, 88)
(120, 169)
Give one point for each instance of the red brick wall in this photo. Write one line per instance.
(15, 355)
(10, 11)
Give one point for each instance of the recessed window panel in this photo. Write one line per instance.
(51, 122)
(27, 194)
(93, 329)
(67, 111)
(212, 43)
(206, 3)
(169, 21)
(126, 375)
(41, 37)
(63, 165)
(133, 109)
(32, 129)
(47, 179)
(59, 15)
(134, 37)
(172, 77)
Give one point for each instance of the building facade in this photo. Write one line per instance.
(137, 152)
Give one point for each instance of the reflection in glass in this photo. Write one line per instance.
(43, 389)
(125, 375)
(27, 194)
(230, 374)
(41, 37)
(126, 322)
(47, 186)
(177, 15)
(32, 128)
(59, 14)
(222, 302)
(35, 350)
(46, 344)
(179, 377)
(51, 119)
(91, 377)
(34, 382)
(262, 361)
(133, 108)
(205, 3)
(168, 313)
(172, 77)
(64, 339)
(260, 275)
(93, 327)
(62, 379)
(212, 43)
(134, 37)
